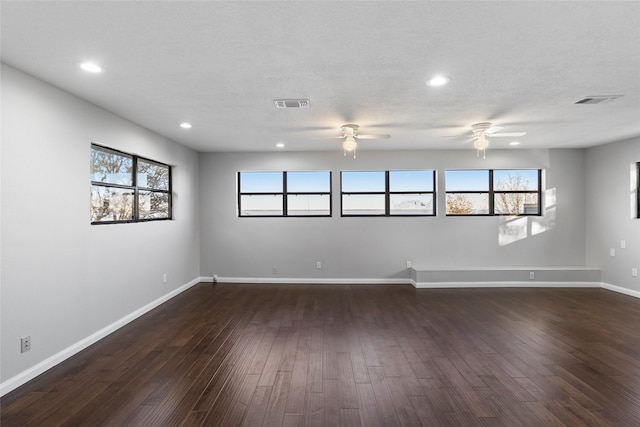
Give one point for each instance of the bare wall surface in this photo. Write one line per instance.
(379, 247)
(62, 278)
(611, 211)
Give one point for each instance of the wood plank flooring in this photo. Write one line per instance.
(363, 355)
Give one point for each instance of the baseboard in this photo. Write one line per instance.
(34, 371)
(620, 290)
(505, 284)
(308, 280)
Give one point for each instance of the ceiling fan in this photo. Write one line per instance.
(481, 133)
(350, 137)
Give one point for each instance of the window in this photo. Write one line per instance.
(128, 188)
(388, 193)
(306, 193)
(493, 192)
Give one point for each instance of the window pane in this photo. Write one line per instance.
(411, 180)
(353, 182)
(411, 204)
(363, 204)
(153, 205)
(269, 204)
(308, 204)
(111, 204)
(467, 204)
(261, 182)
(111, 167)
(522, 179)
(153, 175)
(309, 182)
(516, 203)
(467, 180)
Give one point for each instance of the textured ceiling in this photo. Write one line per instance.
(220, 65)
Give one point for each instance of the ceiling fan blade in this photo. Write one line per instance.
(494, 129)
(507, 134)
(473, 138)
(328, 137)
(373, 136)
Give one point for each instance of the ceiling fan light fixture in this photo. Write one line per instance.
(349, 144)
(481, 144)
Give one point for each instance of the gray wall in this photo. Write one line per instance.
(63, 279)
(378, 248)
(610, 212)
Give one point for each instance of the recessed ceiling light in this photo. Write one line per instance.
(185, 125)
(280, 145)
(91, 67)
(436, 81)
(514, 143)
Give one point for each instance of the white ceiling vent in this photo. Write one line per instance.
(291, 103)
(598, 99)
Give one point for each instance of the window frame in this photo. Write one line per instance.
(387, 193)
(491, 193)
(284, 193)
(134, 188)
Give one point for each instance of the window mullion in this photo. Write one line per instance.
(285, 195)
(136, 196)
(491, 194)
(387, 197)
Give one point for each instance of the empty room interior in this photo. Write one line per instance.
(320, 213)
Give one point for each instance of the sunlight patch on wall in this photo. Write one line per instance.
(548, 220)
(514, 229)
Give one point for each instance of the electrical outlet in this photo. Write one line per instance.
(274, 269)
(532, 275)
(612, 252)
(409, 264)
(318, 265)
(25, 344)
(623, 244)
(634, 272)
(164, 278)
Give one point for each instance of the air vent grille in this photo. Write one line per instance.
(598, 99)
(291, 103)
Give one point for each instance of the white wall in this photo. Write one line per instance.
(611, 211)
(62, 278)
(378, 248)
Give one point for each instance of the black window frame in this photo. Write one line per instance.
(285, 193)
(387, 193)
(135, 188)
(491, 193)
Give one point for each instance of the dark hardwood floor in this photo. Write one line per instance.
(325, 355)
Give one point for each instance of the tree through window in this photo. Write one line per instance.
(128, 188)
(493, 192)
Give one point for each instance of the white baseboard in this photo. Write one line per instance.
(620, 290)
(29, 374)
(307, 280)
(505, 284)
